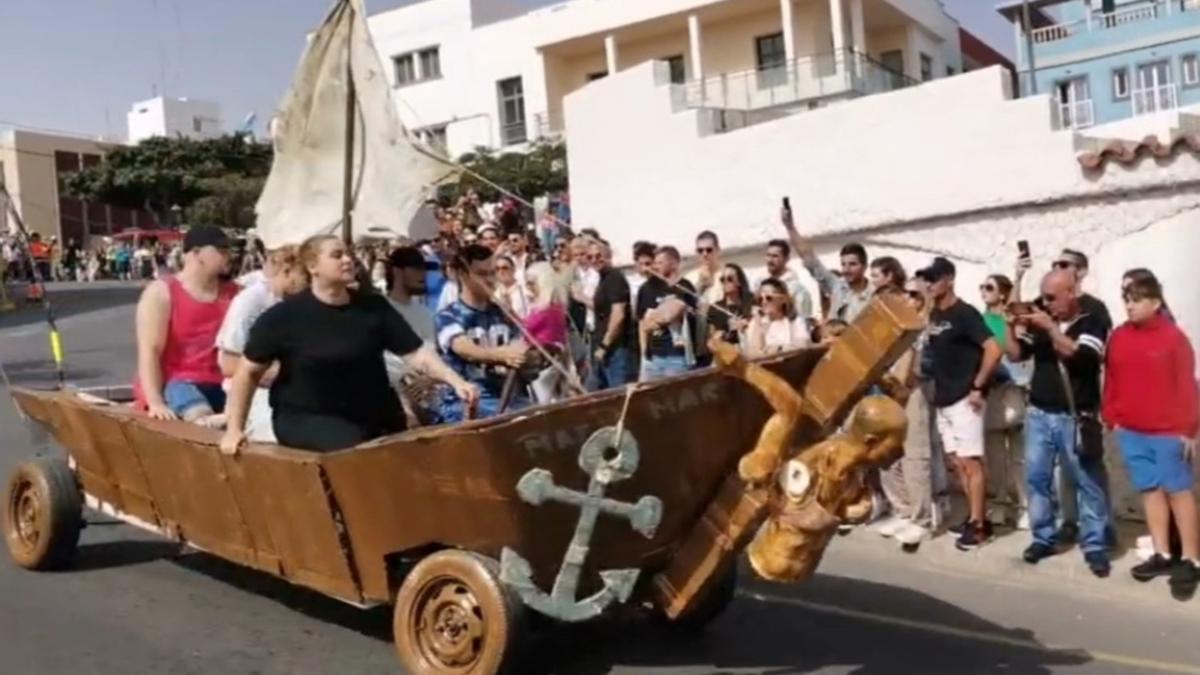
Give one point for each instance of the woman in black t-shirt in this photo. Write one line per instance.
(737, 300)
(332, 390)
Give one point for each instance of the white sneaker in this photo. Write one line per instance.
(1023, 521)
(889, 526)
(911, 534)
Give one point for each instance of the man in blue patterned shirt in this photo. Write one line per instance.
(477, 340)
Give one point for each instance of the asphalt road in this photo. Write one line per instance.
(136, 605)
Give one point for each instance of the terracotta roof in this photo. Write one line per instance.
(1129, 152)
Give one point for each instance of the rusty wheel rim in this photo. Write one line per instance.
(450, 627)
(25, 515)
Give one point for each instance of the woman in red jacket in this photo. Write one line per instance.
(1151, 398)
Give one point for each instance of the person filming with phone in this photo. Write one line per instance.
(1066, 343)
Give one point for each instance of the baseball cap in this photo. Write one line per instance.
(200, 236)
(408, 257)
(939, 269)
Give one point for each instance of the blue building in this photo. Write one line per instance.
(1106, 60)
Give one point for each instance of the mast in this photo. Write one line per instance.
(348, 172)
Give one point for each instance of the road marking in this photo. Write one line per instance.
(978, 636)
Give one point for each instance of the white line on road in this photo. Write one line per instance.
(978, 636)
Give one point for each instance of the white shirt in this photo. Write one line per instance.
(244, 310)
(420, 319)
(784, 334)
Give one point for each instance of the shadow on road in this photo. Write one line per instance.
(781, 637)
(68, 300)
(110, 554)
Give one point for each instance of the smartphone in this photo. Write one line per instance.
(787, 204)
(1023, 248)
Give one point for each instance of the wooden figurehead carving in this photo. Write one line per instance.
(822, 486)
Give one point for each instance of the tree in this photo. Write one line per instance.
(160, 173)
(529, 175)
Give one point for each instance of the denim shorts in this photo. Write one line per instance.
(182, 397)
(1155, 462)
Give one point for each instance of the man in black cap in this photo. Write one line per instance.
(964, 354)
(407, 270)
(177, 323)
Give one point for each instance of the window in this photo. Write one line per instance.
(511, 96)
(926, 67)
(421, 65)
(770, 57)
(678, 74)
(406, 69)
(1153, 90)
(431, 64)
(434, 137)
(1120, 84)
(1190, 64)
(1075, 103)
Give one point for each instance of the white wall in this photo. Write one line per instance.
(951, 167)
(480, 46)
(171, 117)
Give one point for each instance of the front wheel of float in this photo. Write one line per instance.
(43, 514)
(453, 616)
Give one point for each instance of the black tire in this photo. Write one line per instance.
(711, 606)
(448, 595)
(43, 514)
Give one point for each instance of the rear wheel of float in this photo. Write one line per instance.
(43, 514)
(453, 616)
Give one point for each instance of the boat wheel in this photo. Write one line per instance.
(454, 617)
(43, 514)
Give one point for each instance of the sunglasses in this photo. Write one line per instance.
(1047, 299)
(1063, 264)
(729, 280)
(702, 250)
(990, 288)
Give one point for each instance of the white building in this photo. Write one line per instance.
(491, 73)
(172, 117)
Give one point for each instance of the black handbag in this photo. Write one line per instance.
(1089, 431)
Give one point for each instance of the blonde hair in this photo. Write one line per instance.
(552, 287)
(284, 259)
(310, 250)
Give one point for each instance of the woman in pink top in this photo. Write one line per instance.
(177, 323)
(547, 324)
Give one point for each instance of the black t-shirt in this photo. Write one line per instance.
(668, 341)
(1090, 304)
(331, 356)
(956, 338)
(719, 320)
(1046, 388)
(613, 289)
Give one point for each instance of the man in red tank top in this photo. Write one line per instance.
(177, 322)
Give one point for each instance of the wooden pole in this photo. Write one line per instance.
(348, 174)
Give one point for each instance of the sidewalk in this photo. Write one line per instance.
(1001, 562)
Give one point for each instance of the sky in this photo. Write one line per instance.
(79, 65)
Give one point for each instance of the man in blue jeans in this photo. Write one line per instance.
(666, 316)
(614, 359)
(1066, 342)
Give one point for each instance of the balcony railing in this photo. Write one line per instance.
(548, 125)
(1155, 99)
(1076, 114)
(845, 73)
(1134, 13)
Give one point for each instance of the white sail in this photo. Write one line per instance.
(392, 176)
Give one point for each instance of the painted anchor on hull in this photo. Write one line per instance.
(537, 487)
